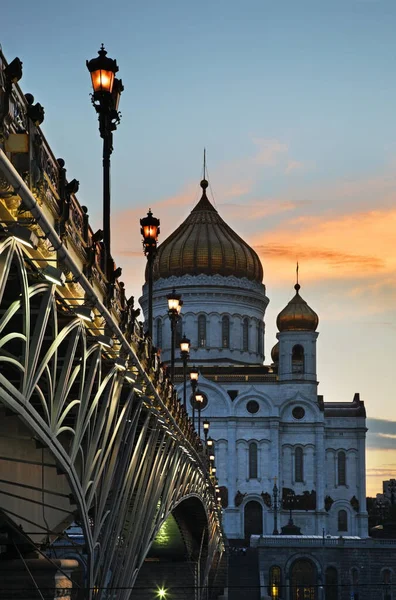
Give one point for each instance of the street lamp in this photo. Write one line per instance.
(150, 228)
(184, 355)
(276, 506)
(174, 307)
(199, 398)
(206, 426)
(194, 376)
(105, 99)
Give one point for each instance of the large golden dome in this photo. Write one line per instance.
(205, 244)
(297, 315)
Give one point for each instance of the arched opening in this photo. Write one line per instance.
(253, 518)
(178, 332)
(354, 584)
(201, 331)
(274, 582)
(298, 465)
(298, 359)
(342, 520)
(158, 333)
(387, 584)
(245, 335)
(303, 580)
(341, 468)
(331, 582)
(225, 332)
(253, 460)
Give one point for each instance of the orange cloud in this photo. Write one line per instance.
(354, 246)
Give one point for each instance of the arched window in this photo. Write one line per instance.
(158, 332)
(201, 331)
(274, 582)
(260, 340)
(178, 332)
(387, 584)
(355, 584)
(298, 359)
(225, 332)
(245, 335)
(298, 464)
(253, 460)
(341, 468)
(331, 583)
(342, 520)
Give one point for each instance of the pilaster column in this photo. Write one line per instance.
(232, 462)
(320, 473)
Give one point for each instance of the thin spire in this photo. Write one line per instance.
(204, 165)
(297, 286)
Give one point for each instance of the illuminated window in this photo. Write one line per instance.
(341, 468)
(342, 520)
(201, 331)
(275, 582)
(225, 332)
(245, 335)
(253, 460)
(298, 464)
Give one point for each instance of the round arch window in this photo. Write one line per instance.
(252, 407)
(298, 412)
(198, 405)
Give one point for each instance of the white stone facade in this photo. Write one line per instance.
(306, 444)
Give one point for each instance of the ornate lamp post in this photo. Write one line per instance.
(194, 376)
(105, 99)
(199, 400)
(184, 355)
(276, 506)
(150, 228)
(174, 307)
(206, 425)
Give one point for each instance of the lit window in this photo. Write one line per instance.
(275, 582)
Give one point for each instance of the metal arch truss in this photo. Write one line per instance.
(125, 466)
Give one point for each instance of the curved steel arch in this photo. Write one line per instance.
(122, 463)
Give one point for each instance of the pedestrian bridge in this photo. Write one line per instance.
(91, 429)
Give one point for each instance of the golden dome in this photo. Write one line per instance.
(297, 315)
(205, 244)
(275, 353)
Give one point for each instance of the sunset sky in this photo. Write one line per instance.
(295, 103)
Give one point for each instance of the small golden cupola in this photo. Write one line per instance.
(297, 315)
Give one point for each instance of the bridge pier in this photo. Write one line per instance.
(22, 578)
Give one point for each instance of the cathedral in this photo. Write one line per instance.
(286, 461)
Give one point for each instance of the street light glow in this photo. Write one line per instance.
(161, 593)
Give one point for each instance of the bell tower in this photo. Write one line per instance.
(296, 353)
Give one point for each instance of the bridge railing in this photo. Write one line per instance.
(34, 190)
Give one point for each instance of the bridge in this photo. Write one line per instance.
(93, 438)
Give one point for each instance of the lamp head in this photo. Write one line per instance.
(102, 70)
(150, 228)
(184, 346)
(174, 303)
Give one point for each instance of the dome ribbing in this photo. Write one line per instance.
(205, 244)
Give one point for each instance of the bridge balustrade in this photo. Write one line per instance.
(89, 431)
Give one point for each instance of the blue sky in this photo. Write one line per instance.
(295, 103)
